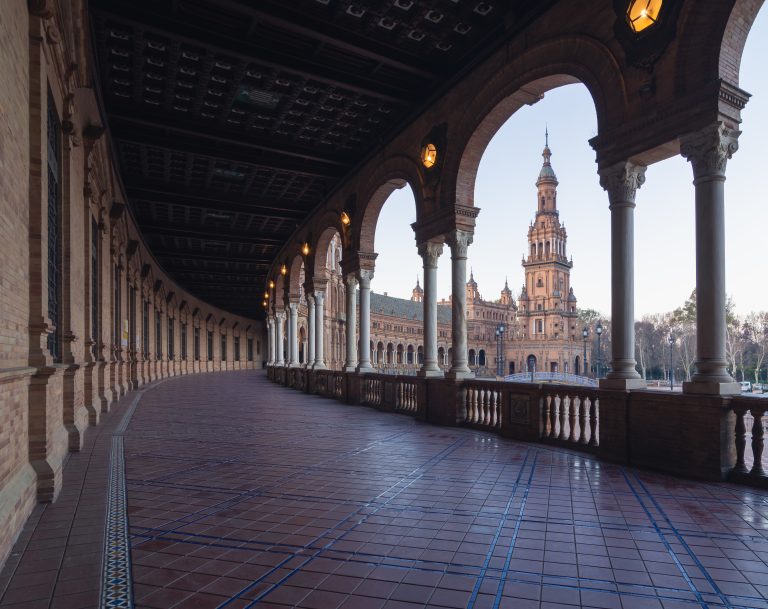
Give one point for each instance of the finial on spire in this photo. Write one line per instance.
(546, 135)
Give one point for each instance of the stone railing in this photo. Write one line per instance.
(704, 437)
(749, 440)
(570, 415)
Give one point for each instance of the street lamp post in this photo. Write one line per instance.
(599, 332)
(671, 340)
(500, 350)
(585, 334)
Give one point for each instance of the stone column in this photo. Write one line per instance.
(319, 329)
(293, 334)
(350, 363)
(310, 330)
(270, 341)
(279, 319)
(459, 242)
(364, 277)
(708, 151)
(621, 181)
(430, 252)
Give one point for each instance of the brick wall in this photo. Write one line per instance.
(46, 402)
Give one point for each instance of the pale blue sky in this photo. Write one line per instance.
(664, 220)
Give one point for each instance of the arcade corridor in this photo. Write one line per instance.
(242, 493)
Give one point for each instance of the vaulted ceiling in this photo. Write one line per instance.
(233, 119)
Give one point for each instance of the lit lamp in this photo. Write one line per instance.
(345, 219)
(266, 295)
(642, 14)
(283, 270)
(429, 155)
(271, 285)
(305, 249)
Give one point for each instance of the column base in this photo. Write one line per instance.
(367, 369)
(350, 368)
(319, 367)
(459, 374)
(625, 384)
(711, 388)
(295, 365)
(430, 373)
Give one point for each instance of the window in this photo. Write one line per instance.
(249, 349)
(237, 348)
(145, 329)
(54, 243)
(183, 341)
(210, 345)
(95, 299)
(258, 347)
(132, 319)
(223, 347)
(170, 339)
(196, 344)
(117, 310)
(158, 335)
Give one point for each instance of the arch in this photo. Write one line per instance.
(472, 356)
(577, 365)
(390, 353)
(321, 247)
(481, 357)
(420, 355)
(400, 354)
(553, 63)
(391, 174)
(295, 273)
(409, 355)
(531, 363)
(441, 356)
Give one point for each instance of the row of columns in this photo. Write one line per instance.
(708, 151)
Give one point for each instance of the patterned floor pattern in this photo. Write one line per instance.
(245, 494)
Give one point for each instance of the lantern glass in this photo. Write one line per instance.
(643, 14)
(429, 155)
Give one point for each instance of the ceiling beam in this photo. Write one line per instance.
(238, 205)
(209, 147)
(213, 257)
(200, 232)
(172, 125)
(200, 37)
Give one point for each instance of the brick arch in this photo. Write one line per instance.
(390, 175)
(321, 248)
(699, 63)
(552, 64)
(294, 277)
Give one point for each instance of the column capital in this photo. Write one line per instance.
(280, 315)
(319, 296)
(459, 242)
(310, 298)
(430, 251)
(621, 182)
(350, 279)
(709, 149)
(293, 306)
(364, 277)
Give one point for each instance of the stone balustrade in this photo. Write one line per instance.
(702, 437)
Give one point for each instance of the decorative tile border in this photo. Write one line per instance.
(116, 583)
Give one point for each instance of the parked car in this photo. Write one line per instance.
(746, 386)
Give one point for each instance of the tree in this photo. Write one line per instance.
(683, 328)
(756, 329)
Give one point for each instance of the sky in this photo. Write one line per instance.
(664, 217)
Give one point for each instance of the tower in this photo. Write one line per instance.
(417, 295)
(506, 294)
(547, 297)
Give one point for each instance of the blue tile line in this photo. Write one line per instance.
(668, 546)
(435, 510)
(458, 443)
(499, 529)
(681, 540)
(508, 560)
(248, 494)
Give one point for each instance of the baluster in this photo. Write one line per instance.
(583, 418)
(492, 420)
(741, 443)
(757, 442)
(474, 405)
(556, 417)
(564, 403)
(497, 421)
(594, 422)
(574, 422)
(547, 403)
(488, 398)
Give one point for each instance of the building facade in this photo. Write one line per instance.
(537, 333)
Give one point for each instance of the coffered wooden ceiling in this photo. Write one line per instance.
(232, 119)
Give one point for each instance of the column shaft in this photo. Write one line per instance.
(310, 330)
(459, 242)
(622, 181)
(293, 334)
(364, 277)
(430, 252)
(708, 151)
(279, 317)
(319, 329)
(350, 363)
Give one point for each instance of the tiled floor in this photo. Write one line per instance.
(242, 493)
